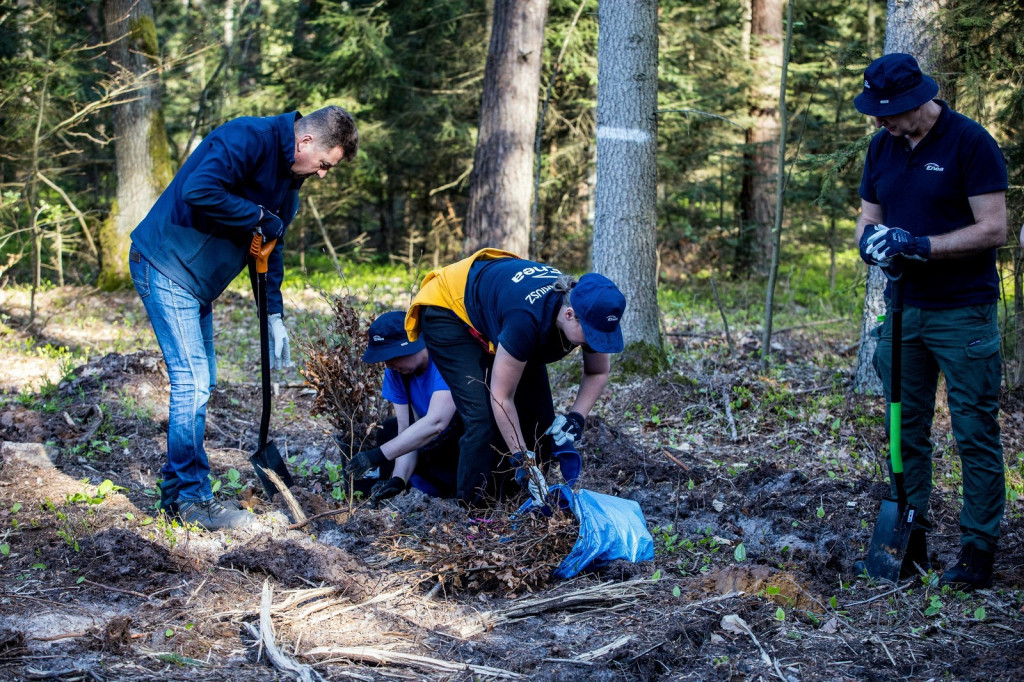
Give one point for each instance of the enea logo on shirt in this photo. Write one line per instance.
(542, 272)
(933, 167)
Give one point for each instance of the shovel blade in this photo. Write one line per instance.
(269, 459)
(889, 541)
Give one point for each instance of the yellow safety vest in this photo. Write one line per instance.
(446, 288)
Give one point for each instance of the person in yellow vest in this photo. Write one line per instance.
(491, 323)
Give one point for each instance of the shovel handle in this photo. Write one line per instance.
(260, 251)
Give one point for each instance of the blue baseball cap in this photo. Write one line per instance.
(598, 305)
(386, 339)
(894, 84)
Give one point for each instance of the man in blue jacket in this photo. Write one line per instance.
(242, 179)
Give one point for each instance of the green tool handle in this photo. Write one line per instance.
(895, 388)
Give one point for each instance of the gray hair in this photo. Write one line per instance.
(332, 127)
(563, 285)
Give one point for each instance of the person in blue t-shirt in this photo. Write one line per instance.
(492, 323)
(933, 206)
(422, 440)
(243, 178)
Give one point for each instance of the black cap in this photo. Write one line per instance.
(894, 84)
(386, 339)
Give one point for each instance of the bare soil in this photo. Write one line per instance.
(760, 490)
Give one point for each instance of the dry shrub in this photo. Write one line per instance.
(500, 553)
(347, 389)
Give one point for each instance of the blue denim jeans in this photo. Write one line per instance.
(184, 330)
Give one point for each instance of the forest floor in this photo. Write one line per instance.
(760, 489)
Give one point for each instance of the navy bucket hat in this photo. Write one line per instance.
(894, 84)
(598, 305)
(386, 339)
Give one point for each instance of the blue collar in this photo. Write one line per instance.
(287, 134)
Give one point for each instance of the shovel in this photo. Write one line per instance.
(896, 517)
(267, 456)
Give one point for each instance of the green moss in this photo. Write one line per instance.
(641, 359)
(143, 30)
(159, 152)
(114, 273)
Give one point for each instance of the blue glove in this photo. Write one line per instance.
(898, 242)
(282, 352)
(529, 476)
(269, 225)
(567, 428)
(569, 462)
(868, 241)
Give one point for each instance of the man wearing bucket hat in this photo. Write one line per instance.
(492, 322)
(422, 439)
(933, 207)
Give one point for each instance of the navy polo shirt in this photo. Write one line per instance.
(925, 191)
(512, 302)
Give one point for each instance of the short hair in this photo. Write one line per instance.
(332, 127)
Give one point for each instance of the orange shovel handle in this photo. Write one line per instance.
(260, 250)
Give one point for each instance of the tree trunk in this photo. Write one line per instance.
(625, 217)
(141, 148)
(910, 26)
(499, 193)
(780, 193)
(761, 151)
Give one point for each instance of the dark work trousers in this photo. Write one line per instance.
(963, 344)
(465, 366)
(436, 462)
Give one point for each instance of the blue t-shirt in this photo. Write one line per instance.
(512, 302)
(421, 386)
(925, 191)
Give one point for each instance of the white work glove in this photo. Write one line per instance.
(529, 476)
(281, 357)
(567, 428)
(873, 247)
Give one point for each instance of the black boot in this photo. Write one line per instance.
(917, 553)
(973, 569)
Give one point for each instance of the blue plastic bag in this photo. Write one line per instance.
(610, 528)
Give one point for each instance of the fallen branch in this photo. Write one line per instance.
(600, 595)
(607, 648)
(265, 635)
(293, 505)
(733, 623)
(383, 657)
(322, 515)
(674, 459)
(729, 417)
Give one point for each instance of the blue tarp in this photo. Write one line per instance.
(610, 528)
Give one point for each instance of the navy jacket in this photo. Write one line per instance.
(199, 231)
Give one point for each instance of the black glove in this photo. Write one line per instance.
(898, 242)
(567, 428)
(363, 461)
(382, 490)
(269, 225)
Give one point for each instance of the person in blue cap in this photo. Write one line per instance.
(491, 323)
(421, 441)
(933, 206)
(243, 178)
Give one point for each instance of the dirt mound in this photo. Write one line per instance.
(298, 564)
(117, 555)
